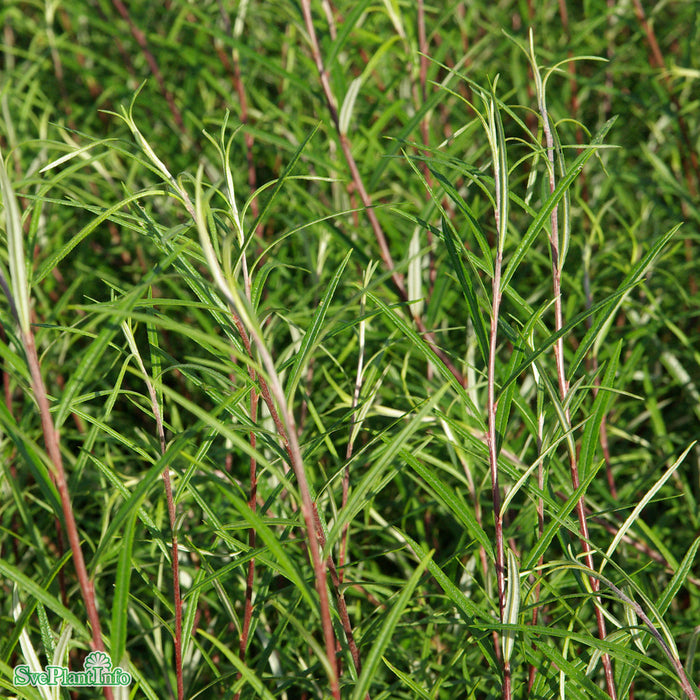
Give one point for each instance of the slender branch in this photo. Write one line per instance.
(564, 385)
(492, 441)
(307, 508)
(252, 504)
(172, 515)
(51, 439)
(540, 522)
(397, 278)
(273, 392)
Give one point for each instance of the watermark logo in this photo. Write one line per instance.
(97, 671)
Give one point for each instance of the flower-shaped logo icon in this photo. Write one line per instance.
(99, 661)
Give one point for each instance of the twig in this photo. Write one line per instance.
(554, 243)
(172, 516)
(287, 427)
(58, 474)
(397, 278)
(492, 438)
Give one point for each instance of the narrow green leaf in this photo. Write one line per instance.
(572, 672)
(629, 521)
(30, 587)
(374, 656)
(278, 186)
(120, 605)
(54, 258)
(155, 356)
(678, 580)
(559, 520)
(589, 440)
(287, 565)
(133, 502)
(46, 636)
(460, 508)
(407, 680)
(345, 29)
(190, 604)
(372, 478)
(311, 337)
(606, 305)
(34, 458)
(421, 346)
(543, 214)
(247, 675)
(598, 329)
(505, 399)
(15, 250)
(479, 235)
(475, 314)
(470, 610)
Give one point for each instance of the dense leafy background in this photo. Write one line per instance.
(108, 241)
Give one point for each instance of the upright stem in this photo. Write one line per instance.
(492, 442)
(172, 514)
(307, 509)
(496, 138)
(564, 390)
(540, 527)
(397, 278)
(52, 442)
(273, 395)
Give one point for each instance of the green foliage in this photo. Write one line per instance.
(185, 228)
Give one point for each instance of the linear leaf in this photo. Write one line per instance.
(388, 452)
(120, 605)
(425, 350)
(669, 594)
(622, 530)
(475, 314)
(596, 332)
(28, 586)
(589, 440)
(462, 510)
(311, 337)
(552, 201)
(384, 637)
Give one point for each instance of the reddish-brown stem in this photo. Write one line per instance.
(307, 510)
(540, 531)
(58, 474)
(683, 679)
(564, 390)
(342, 606)
(614, 528)
(492, 444)
(252, 504)
(176, 582)
(274, 396)
(397, 278)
